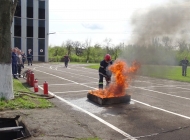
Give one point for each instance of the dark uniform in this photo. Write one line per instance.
(66, 60)
(14, 64)
(29, 58)
(104, 72)
(23, 59)
(184, 64)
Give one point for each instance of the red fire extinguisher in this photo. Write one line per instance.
(35, 85)
(31, 79)
(45, 88)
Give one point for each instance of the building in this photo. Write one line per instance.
(30, 28)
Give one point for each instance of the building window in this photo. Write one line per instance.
(18, 11)
(41, 13)
(41, 29)
(17, 26)
(17, 42)
(30, 8)
(29, 31)
(41, 50)
(17, 21)
(29, 27)
(41, 32)
(41, 10)
(41, 23)
(17, 30)
(30, 12)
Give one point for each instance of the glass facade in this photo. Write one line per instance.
(30, 27)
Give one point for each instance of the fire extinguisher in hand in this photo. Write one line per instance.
(35, 85)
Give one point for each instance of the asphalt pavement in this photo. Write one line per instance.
(159, 109)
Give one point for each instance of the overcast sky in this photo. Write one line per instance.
(97, 20)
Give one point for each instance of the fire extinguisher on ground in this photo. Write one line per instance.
(45, 85)
(35, 85)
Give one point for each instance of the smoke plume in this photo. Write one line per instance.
(170, 19)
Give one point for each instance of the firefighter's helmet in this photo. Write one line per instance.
(107, 57)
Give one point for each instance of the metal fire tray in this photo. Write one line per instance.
(109, 101)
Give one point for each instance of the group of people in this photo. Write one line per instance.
(18, 60)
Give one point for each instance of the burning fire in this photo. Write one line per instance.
(122, 75)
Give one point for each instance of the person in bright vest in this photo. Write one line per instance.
(104, 71)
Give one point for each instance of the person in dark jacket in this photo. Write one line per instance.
(184, 64)
(66, 60)
(14, 63)
(23, 58)
(104, 72)
(29, 58)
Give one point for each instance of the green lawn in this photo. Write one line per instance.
(23, 101)
(164, 72)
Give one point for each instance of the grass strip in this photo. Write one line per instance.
(23, 101)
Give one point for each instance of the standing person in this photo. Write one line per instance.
(19, 63)
(23, 58)
(29, 58)
(104, 72)
(66, 60)
(184, 64)
(14, 63)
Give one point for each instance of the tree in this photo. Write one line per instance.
(107, 41)
(7, 10)
(87, 48)
(69, 46)
(78, 50)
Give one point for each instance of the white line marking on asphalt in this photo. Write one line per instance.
(162, 93)
(72, 91)
(183, 116)
(82, 70)
(72, 73)
(133, 100)
(65, 79)
(94, 116)
(69, 84)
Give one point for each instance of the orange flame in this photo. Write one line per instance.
(122, 75)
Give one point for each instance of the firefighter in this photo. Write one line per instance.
(104, 72)
(184, 64)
